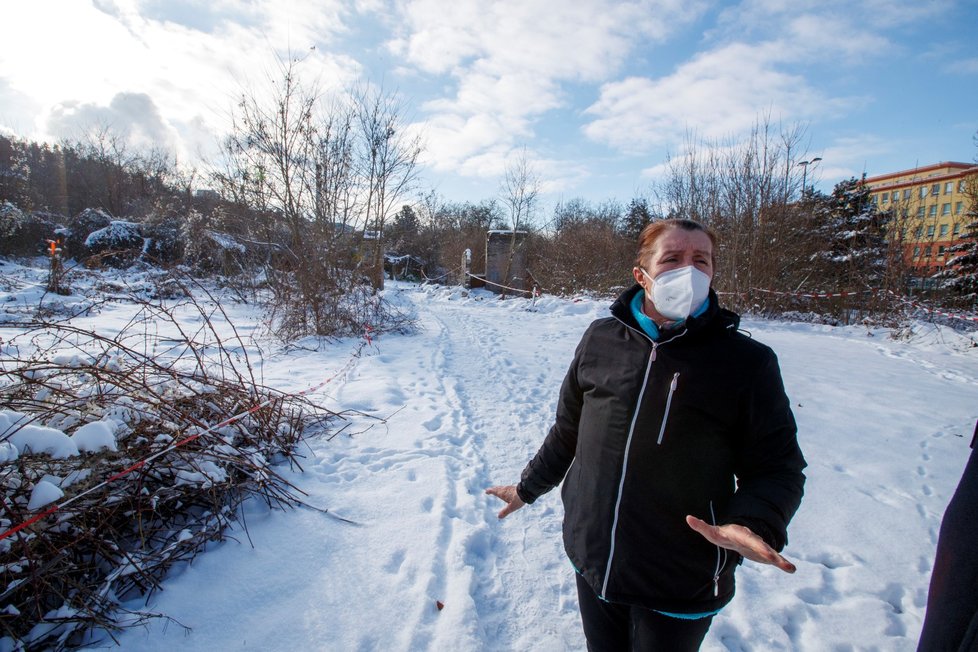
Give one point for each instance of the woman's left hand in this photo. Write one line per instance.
(741, 540)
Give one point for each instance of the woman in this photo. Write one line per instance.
(677, 449)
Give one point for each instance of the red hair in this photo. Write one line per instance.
(654, 230)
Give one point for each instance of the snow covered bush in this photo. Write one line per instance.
(24, 234)
(164, 243)
(11, 218)
(123, 454)
(118, 245)
(79, 227)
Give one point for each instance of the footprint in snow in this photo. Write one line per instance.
(393, 565)
(832, 559)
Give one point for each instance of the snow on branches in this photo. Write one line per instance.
(118, 459)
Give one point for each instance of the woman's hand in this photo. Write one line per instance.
(741, 540)
(508, 495)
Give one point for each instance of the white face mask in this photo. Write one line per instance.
(678, 292)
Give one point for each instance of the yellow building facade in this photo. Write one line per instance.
(930, 204)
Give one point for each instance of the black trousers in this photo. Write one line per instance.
(611, 627)
(951, 620)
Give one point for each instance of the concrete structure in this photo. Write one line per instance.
(505, 261)
(930, 204)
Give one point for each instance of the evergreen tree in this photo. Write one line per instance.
(637, 216)
(403, 232)
(853, 253)
(960, 276)
(13, 173)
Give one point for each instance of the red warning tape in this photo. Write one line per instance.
(828, 295)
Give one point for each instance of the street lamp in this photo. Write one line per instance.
(804, 176)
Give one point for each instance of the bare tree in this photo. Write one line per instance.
(520, 189)
(454, 228)
(315, 172)
(743, 188)
(336, 201)
(270, 152)
(588, 248)
(388, 156)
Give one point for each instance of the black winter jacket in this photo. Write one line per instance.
(648, 432)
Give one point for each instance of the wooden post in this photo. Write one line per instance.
(54, 275)
(466, 268)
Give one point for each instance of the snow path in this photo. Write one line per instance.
(884, 425)
(462, 417)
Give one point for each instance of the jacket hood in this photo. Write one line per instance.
(714, 317)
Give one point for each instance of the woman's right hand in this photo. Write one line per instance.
(508, 495)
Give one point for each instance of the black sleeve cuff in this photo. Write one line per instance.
(524, 496)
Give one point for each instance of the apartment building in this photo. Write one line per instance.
(930, 204)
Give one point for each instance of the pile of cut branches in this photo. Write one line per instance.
(137, 447)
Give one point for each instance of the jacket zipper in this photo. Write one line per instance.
(721, 558)
(665, 417)
(628, 442)
(624, 468)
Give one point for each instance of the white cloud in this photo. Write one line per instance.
(510, 61)
(868, 18)
(133, 117)
(962, 67)
(17, 109)
(717, 94)
(831, 40)
(454, 141)
(191, 75)
(656, 173)
(489, 77)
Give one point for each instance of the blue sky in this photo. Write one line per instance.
(597, 93)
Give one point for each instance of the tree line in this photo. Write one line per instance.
(317, 194)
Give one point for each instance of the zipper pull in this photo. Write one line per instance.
(654, 347)
(716, 585)
(665, 414)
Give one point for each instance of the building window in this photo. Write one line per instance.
(961, 185)
(957, 207)
(927, 252)
(916, 252)
(918, 232)
(957, 229)
(923, 191)
(895, 196)
(944, 228)
(935, 189)
(946, 208)
(906, 194)
(948, 187)
(930, 231)
(885, 197)
(932, 211)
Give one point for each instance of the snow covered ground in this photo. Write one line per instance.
(884, 423)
